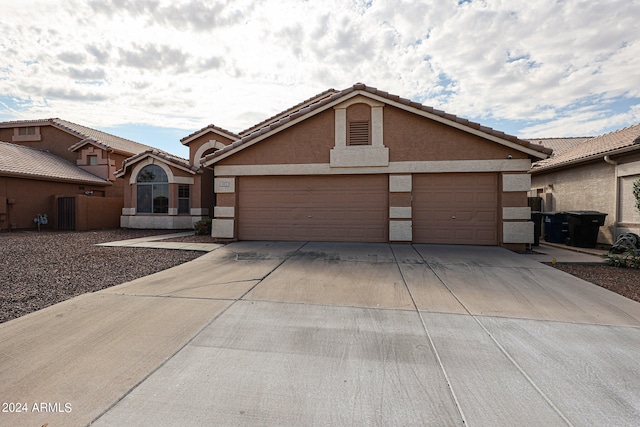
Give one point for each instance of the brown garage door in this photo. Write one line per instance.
(455, 208)
(324, 208)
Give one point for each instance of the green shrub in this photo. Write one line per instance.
(628, 259)
(203, 227)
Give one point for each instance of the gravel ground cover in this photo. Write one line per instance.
(40, 269)
(623, 281)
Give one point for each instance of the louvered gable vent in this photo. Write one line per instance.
(358, 133)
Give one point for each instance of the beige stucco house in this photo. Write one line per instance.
(592, 174)
(364, 165)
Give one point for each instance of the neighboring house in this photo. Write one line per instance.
(593, 174)
(61, 169)
(363, 165)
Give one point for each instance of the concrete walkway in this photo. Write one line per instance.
(156, 243)
(294, 333)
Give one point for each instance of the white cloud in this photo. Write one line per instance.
(556, 66)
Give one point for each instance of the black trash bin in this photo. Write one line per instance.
(536, 217)
(556, 229)
(584, 227)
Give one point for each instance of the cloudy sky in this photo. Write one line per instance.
(155, 70)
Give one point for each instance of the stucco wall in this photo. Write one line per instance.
(588, 187)
(97, 212)
(308, 142)
(412, 138)
(33, 197)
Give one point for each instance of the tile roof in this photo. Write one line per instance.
(332, 96)
(27, 162)
(169, 158)
(559, 145)
(103, 139)
(319, 97)
(626, 139)
(187, 139)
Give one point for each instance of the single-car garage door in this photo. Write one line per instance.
(457, 208)
(323, 208)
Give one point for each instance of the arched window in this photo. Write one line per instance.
(152, 190)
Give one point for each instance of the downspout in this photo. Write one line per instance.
(608, 160)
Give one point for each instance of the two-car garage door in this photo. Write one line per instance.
(450, 208)
(350, 208)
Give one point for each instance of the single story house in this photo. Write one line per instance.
(364, 165)
(61, 169)
(593, 174)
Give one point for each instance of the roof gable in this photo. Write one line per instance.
(323, 103)
(209, 129)
(167, 158)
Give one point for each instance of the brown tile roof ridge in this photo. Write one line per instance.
(608, 143)
(170, 158)
(289, 111)
(20, 160)
(396, 98)
(213, 127)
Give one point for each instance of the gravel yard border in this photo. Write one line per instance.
(40, 269)
(44, 268)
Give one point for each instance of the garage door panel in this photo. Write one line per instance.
(324, 208)
(455, 208)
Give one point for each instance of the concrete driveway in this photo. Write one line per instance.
(290, 333)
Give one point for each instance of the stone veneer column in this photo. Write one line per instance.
(223, 224)
(516, 225)
(400, 224)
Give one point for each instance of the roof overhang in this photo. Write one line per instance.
(209, 129)
(89, 141)
(157, 156)
(587, 159)
(296, 118)
(36, 177)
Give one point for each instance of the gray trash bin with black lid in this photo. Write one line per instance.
(584, 227)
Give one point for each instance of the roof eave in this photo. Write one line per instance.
(209, 129)
(55, 178)
(598, 156)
